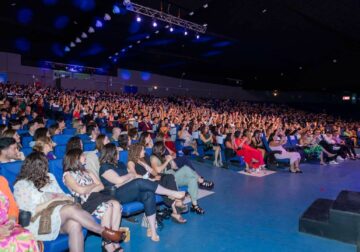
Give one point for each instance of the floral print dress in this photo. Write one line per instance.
(84, 179)
(19, 239)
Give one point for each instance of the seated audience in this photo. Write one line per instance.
(276, 142)
(37, 191)
(138, 164)
(86, 186)
(130, 187)
(184, 176)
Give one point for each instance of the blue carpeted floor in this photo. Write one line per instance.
(251, 214)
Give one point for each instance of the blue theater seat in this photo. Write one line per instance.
(56, 168)
(70, 131)
(89, 146)
(10, 172)
(59, 151)
(137, 207)
(26, 141)
(26, 151)
(123, 157)
(61, 139)
(60, 244)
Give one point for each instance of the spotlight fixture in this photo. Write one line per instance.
(116, 54)
(107, 17)
(275, 93)
(197, 36)
(84, 35)
(185, 33)
(138, 42)
(116, 9)
(138, 19)
(130, 46)
(167, 26)
(205, 6)
(171, 29)
(191, 13)
(157, 32)
(78, 40)
(67, 49)
(154, 24)
(110, 57)
(123, 50)
(72, 44)
(334, 61)
(205, 25)
(147, 37)
(155, 87)
(91, 30)
(98, 24)
(300, 67)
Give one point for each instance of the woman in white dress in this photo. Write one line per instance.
(276, 142)
(35, 189)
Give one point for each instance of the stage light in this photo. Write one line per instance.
(123, 50)
(84, 35)
(98, 24)
(116, 9)
(147, 37)
(67, 49)
(107, 17)
(205, 6)
(110, 57)
(138, 42)
(91, 29)
(185, 33)
(205, 25)
(78, 40)
(171, 29)
(117, 54)
(191, 13)
(275, 93)
(300, 67)
(334, 61)
(130, 46)
(72, 44)
(138, 19)
(155, 87)
(154, 24)
(197, 36)
(157, 32)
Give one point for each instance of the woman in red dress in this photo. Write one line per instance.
(253, 157)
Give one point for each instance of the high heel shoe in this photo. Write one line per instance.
(215, 163)
(112, 235)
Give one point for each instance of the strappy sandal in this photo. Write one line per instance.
(206, 184)
(179, 220)
(197, 209)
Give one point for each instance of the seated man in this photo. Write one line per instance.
(115, 135)
(92, 131)
(8, 150)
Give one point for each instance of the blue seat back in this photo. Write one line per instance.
(10, 171)
(56, 168)
(59, 151)
(293, 140)
(61, 139)
(266, 143)
(70, 131)
(26, 151)
(123, 157)
(26, 140)
(89, 146)
(148, 151)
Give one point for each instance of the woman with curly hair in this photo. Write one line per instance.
(37, 191)
(139, 165)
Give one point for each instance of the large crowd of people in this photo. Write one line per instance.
(117, 122)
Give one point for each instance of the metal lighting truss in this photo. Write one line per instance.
(159, 15)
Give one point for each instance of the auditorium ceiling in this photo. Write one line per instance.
(257, 44)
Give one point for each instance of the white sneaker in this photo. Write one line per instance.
(339, 159)
(333, 162)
